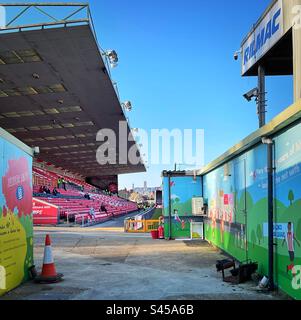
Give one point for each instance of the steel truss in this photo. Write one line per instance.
(42, 8)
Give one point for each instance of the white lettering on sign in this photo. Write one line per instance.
(15, 180)
(279, 230)
(264, 37)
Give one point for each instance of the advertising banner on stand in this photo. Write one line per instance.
(44, 213)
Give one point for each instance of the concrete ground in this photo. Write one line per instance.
(107, 264)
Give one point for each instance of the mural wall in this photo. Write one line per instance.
(237, 205)
(288, 210)
(183, 189)
(16, 232)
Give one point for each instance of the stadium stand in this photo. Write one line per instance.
(72, 203)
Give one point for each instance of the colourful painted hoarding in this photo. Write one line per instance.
(44, 213)
(287, 229)
(237, 203)
(183, 189)
(238, 220)
(16, 231)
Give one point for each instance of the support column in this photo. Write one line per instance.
(261, 97)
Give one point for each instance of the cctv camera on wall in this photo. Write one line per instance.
(236, 54)
(36, 151)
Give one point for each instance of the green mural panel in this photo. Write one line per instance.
(243, 232)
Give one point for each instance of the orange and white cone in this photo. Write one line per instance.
(49, 274)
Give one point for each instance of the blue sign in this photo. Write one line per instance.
(20, 193)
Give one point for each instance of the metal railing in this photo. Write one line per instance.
(81, 10)
(27, 8)
(140, 226)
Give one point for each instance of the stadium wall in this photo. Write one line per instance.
(235, 188)
(16, 227)
(238, 208)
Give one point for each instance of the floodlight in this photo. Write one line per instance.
(112, 57)
(127, 105)
(36, 76)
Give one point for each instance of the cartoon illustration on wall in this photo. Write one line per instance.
(245, 235)
(183, 189)
(290, 239)
(16, 231)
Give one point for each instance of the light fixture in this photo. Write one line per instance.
(60, 101)
(35, 76)
(251, 94)
(112, 57)
(127, 105)
(237, 53)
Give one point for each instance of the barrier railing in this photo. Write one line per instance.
(140, 226)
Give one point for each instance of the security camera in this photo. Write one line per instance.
(36, 151)
(265, 140)
(236, 54)
(251, 94)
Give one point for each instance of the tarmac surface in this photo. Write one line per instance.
(104, 263)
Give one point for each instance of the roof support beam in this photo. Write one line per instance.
(45, 4)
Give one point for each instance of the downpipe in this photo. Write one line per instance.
(270, 168)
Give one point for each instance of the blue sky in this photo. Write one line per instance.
(177, 68)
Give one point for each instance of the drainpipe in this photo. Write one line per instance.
(169, 206)
(270, 165)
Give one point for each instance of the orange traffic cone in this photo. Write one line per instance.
(49, 274)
